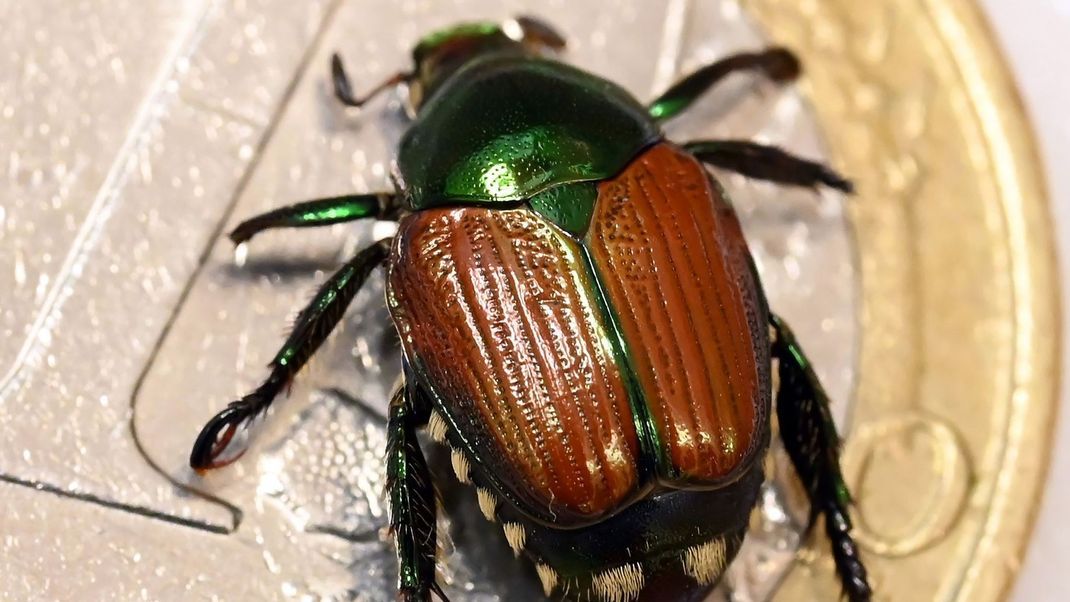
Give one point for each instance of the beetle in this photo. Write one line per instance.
(580, 320)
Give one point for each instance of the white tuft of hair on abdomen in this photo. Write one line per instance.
(705, 563)
(619, 584)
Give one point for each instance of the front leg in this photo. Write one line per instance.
(778, 64)
(412, 500)
(320, 212)
(769, 163)
(810, 438)
(311, 329)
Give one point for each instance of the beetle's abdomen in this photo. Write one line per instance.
(497, 316)
(672, 259)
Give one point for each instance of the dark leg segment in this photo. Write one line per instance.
(763, 162)
(312, 327)
(810, 438)
(320, 212)
(540, 33)
(778, 64)
(343, 90)
(412, 501)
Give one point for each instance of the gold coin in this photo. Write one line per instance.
(957, 383)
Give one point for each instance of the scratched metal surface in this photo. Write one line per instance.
(132, 133)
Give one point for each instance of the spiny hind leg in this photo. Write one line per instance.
(412, 499)
(810, 438)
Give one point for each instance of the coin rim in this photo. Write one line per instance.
(985, 79)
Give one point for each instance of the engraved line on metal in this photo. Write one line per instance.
(202, 260)
(672, 44)
(103, 204)
(139, 510)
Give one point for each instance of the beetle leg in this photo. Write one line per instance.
(778, 64)
(810, 438)
(412, 501)
(537, 32)
(311, 328)
(320, 212)
(343, 90)
(764, 162)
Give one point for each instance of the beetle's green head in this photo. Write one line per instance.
(442, 53)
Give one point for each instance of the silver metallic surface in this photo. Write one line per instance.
(132, 134)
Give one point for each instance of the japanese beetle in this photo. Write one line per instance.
(581, 322)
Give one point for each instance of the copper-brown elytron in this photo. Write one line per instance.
(490, 306)
(670, 252)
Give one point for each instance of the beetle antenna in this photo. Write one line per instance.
(344, 91)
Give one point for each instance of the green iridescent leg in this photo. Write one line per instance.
(320, 212)
(769, 163)
(412, 501)
(810, 438)
(311, 328)
(778, 64)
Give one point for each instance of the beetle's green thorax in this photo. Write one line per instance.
(506, 127)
